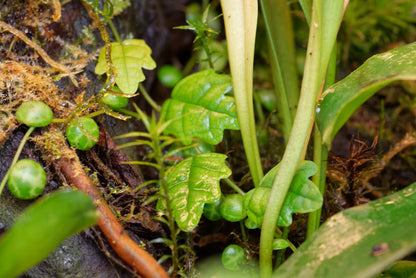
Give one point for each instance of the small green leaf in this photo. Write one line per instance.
(358, 242)
(280, 243)
(42, 227)
(199, 108)
(129, 57)
(400, 269)
(340, 101)
(192, 183)
(303, 196)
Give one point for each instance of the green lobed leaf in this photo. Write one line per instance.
(199, 108)
(42, 227)
(128, 57)
(192, 183)
(303, 196)
(339, 101)
(358, 242)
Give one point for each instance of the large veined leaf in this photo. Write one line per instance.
(303, 196)
(192, 183)
(199, 108)
(42, 227)
(129, 57)
(358, 242)
(339, 101)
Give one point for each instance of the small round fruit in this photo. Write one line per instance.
(27, 179)
(212, 210)
(115, 101)
(83, 138)
(34, 114)
(233, 257)
(169, 75)
(232, 208)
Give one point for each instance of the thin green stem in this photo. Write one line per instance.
(148, 98)
(158, 156)
(234, 186)
(281, 253)
(16, 157)
(243, 231)
(320, 154)
(114, 30)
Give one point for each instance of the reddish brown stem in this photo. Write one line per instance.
(122, 244)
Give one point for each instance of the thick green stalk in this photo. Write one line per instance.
(240, 19)
(321, 39)
(279, 29)
(320, 152)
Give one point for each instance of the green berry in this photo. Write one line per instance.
(212, 210)
(83, 133)
(233, 257)
(115, 101)
(169, 75)
(232, 208)
(34, 114)
(27, 179)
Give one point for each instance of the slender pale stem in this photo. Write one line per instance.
(240, 19)
(148, 98)
(320, 152)
(299, 137)
(16, 157)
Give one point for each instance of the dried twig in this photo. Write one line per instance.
(40, 51)
(121, 243)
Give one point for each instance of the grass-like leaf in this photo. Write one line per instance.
(199, 108)
(42, 227)
(128, 57)
(340, 101)
(358, 242)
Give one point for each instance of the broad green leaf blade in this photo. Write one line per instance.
(358, 242)
(194, 182)
(303, 196)
(42, 227)
(199, 108)
(339, 101)
(129, 57)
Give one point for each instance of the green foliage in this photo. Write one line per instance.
(369, 25)
(42, 227)
(400, 269)
(199, 108)
(192, 183)
(34, 114)
(360, 241)
(128, 57)
(339, 101)
(280, 243)
(303, 196)
(27, 179)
